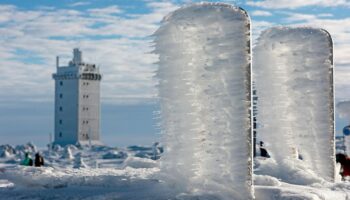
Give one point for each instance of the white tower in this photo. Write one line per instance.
(77, 102)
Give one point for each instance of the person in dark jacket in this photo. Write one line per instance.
(263, 151)
(39, 160)
(345, 165)
(27, 160)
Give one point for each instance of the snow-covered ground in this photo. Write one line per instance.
(112, 173)
(80, 173)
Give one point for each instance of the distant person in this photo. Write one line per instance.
(263, 151)
(27, 160)
(300, 157)
(39, 160)
(345, 165)
(155, 151)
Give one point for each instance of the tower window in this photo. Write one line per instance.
(60, 121)
(61, 108)
(61, 83)
(61, 95)
(60, 134)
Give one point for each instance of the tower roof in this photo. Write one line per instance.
(77, 56)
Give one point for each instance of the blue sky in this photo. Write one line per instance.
(115, 34)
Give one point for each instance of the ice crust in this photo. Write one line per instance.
(204, 90)
(293, 71)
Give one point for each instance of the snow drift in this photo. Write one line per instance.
(205, 97)
(293, 71)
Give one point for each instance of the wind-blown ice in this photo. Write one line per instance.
(293, 71)
(205, 97)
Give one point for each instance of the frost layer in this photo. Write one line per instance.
(205, 98)
(294, 81)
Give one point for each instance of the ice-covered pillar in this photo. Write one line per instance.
(293, 72)
(205, 97)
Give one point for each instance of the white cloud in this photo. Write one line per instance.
(278, 4)
(6, 11)
(79, 3)
(298, 17)
(261, 13)
(105, 11)
(325, 15)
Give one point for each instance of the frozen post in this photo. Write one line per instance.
(205, 96)
(293, 72)
(57, 62)
(90, 135)
(50, 143)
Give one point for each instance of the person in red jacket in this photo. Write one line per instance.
(345, 165)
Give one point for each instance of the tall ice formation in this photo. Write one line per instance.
(293, 72)
(205, 97)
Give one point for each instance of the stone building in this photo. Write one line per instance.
(77, 102)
